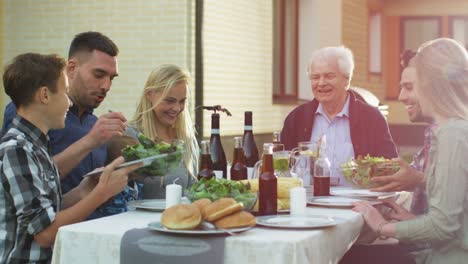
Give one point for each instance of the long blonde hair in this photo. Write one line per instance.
(442, 69)
(162, 80)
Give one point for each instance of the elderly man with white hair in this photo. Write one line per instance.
(352, 126)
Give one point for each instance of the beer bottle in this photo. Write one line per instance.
(238, 169)
(268, 183)
(206, 165)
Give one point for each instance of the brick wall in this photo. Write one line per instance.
(355, 36)
(238, 64)
(148, 33)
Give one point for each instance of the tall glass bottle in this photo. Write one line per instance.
(276, 137)
(250, 148)
(268, 183)
(217, 152)
(277, 146)
(238, 169)
(206, 165)
(322, 170)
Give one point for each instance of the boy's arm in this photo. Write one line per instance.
(106, 127)
(110, 183)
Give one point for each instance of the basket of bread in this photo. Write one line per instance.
(224, 213)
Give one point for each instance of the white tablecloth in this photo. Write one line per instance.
(98, 241)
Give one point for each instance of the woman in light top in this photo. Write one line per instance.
(162, 114)
(442, 89)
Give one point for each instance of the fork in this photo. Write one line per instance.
(135, 132)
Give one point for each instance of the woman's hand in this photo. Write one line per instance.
(398, 212)
(112, 181)
(405, 179)
(370, 214)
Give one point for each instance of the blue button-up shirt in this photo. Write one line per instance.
(75, 128)
(339, 145)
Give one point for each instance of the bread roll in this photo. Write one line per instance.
(181, 216)
(220, 208)
(236, 220)
(202, 203)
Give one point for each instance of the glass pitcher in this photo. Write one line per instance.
(281, 162)
(302, 161)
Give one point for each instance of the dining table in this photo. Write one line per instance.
(100, 240)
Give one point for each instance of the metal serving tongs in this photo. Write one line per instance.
(136, 133)
(209, 226)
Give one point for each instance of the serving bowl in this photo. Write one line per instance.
(158, 167)
(360, 171)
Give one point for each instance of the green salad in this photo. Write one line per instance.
(360, 171)
(148, 148)
(214, 189)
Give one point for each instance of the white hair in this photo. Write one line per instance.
(342, 55)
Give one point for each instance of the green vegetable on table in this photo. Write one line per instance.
(214, 189)
(158, 167)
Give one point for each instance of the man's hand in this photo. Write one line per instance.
(107, 126)
(405, 179)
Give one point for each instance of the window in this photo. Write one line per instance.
(417, 30)
(459, 30)
(285, 49)
(375, 47)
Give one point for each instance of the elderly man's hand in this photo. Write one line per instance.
(406, 179)
(107, 126)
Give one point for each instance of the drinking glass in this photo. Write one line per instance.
(281, 163)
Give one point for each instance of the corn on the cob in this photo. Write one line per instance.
(284, 184)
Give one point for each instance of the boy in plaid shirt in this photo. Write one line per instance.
(31, 201)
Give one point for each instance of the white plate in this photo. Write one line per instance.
(361, 193)
(157, 205)
(335, 201)
(146, 162)
(204, 229)
(302, 222)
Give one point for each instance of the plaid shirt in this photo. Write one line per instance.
(419, 204)
(30, 193)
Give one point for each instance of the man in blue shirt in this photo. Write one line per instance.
(80, 147)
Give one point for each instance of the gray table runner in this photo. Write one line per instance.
(150, 246)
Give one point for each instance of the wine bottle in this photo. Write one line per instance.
(206, 165)
(249, 146)
(276, 137)
(238, 169)
(277, 146)
(268, 183)
(322, 170)
(217, 152)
